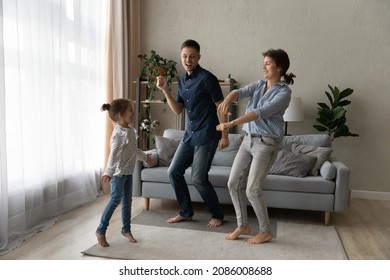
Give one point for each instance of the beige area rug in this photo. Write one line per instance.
(158, 240)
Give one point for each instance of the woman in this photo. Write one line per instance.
(263, 125)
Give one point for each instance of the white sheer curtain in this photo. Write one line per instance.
(51, 130)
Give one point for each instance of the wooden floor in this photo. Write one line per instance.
(364, 230)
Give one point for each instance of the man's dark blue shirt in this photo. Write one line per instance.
(199, 92)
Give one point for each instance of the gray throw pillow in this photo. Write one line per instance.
(328, 171)
(290, 164)
(322, 154)
(166, 148)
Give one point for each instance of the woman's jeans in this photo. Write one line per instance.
(200, 157)
(121, 191)
(249, 170)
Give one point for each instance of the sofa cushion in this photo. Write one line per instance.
(173, 133)
(166, 148)
(321, 153)
(290, 164)
(218, 175)
(155, 174)
(308, 184)
(225, 157)
(319, 140)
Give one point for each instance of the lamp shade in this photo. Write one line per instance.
(294, 112)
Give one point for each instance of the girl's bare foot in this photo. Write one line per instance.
(215, 223)
(129, 236)
(102, 240)
(238, 231)
(260, 237)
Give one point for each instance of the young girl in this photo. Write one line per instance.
(120, 166)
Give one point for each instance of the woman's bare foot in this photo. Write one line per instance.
(129, 236)
(215, 223)
(260, 237)
(102, 240)
(178, 219)
(237, 232)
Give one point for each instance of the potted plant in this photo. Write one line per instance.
(332, 117)
(153, 66)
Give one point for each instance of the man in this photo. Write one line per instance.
(200, 94)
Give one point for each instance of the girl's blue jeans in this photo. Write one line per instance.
(121, 191)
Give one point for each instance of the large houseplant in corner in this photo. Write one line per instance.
(153, 66)
(332, 118)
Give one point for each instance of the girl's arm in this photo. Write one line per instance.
(141, 155)
(116, 145)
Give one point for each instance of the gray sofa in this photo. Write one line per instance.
(321, 185)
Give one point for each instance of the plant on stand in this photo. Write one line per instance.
(153, 65)
(332, 117)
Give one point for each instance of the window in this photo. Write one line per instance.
(54, 57)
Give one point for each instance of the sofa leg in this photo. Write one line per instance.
(327, 218)
(147, 203)
(349, 196)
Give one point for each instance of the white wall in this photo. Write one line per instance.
(343, 43)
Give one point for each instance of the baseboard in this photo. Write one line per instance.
(371, 195)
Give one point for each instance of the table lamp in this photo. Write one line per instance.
(294, 112)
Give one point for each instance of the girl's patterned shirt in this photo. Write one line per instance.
(124, 152)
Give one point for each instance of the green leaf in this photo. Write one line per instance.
(336, 95)
(346, 92)
(330, 97)
(342, 130)
(320, 128)
(344, 103)
(323, 105)
(338, 113)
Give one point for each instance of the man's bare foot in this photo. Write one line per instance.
(237, 232)
(102, 240)
(215, 223)
(260, 237)
(129, 236)
(178, 219)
